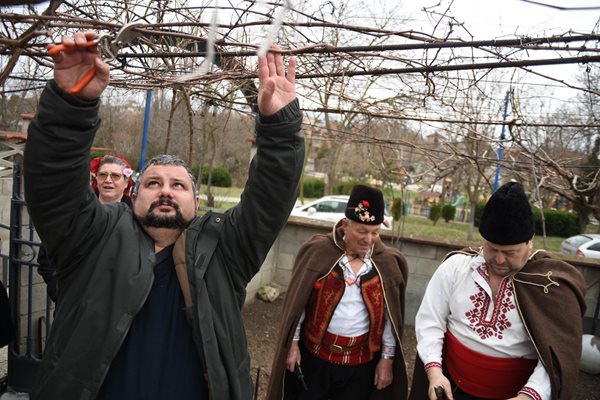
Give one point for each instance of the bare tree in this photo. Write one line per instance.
(357, 66)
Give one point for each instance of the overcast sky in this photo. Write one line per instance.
(504, 19)
(487, 19)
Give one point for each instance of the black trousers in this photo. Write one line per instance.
(326, 381)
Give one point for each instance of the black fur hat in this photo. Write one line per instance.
(507, 218)
(365, 205)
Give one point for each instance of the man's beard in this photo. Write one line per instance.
(153, 220)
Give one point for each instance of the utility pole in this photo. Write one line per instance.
(501, 144)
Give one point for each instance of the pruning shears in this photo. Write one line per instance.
(300, 376)
(440, 393)
(109, 45)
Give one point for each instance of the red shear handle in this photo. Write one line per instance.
(89, 75)
(61, 47)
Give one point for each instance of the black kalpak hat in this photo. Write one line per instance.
(507, 218)
(365, 205)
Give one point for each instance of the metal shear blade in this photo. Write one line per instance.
(124, 37)
(109, 48)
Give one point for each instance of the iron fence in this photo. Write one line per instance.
(30, 308)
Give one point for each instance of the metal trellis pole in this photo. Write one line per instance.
(146, 124)
(501, 145)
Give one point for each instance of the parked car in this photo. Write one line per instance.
(331, 208)
(585, 245)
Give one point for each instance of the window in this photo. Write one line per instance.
(595, 247)
(578, 240)
(327, 206)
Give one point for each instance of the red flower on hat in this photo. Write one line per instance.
(317, 285)
(365, 203)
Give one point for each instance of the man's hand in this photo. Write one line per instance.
(293, 356)
(275, 89)
(384, 373)
(437, 379)
(71, 65)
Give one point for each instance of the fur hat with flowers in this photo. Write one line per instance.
(365, 205)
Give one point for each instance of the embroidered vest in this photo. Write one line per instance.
(326, 296)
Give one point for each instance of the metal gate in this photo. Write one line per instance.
(30, 308)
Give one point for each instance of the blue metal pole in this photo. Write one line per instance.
(501, 145)
(146, 125)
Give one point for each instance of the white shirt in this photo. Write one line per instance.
(459, 298)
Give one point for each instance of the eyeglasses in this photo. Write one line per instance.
(114, 176)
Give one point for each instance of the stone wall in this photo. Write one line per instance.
(423, 257)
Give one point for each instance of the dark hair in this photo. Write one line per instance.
(165, 159)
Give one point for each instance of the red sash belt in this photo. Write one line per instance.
(342, 350)
(485, 376)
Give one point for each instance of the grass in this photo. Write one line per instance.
(414, 226)
(222, 191)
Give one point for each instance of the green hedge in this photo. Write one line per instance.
(397, 209)
(558, 223)
(478, 211)
(313, 188)
(435, 212)
(220, 177)
(346, 187)
(448, 212)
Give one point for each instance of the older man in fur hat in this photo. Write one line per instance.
(501, 321)
(343, 314)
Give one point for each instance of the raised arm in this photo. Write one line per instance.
(272, 187)
(59, 141)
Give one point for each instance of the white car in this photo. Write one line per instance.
(585, 245)
(331, 208)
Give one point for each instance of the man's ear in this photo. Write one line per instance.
(531, 244)
(345, 224)
(197, 201)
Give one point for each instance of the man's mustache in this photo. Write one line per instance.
(165, 201)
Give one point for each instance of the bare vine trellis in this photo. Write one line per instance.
(362, 84)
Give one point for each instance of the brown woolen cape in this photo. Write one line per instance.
(315, 259)
(553, 316)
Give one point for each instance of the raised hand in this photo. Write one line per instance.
(75, 61)
(276, 88)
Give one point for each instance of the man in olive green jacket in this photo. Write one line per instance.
(106, 256)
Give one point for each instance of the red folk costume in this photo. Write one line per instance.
(317, 284)
(326, 295)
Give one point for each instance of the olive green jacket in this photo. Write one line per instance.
(105, 259)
